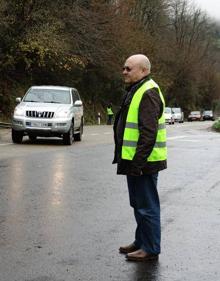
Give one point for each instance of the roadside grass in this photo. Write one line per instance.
(216, 126)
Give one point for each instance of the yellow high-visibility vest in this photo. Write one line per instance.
(131, 132)
(109, 111)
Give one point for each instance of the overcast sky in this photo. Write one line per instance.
(211, 7)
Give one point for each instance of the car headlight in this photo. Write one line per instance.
(19, 112)
(62, 114)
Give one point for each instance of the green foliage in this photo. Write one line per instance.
(216, 126)
(84, 44)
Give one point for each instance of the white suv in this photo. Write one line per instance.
(169, 116)
(48, 111)
(178, 114)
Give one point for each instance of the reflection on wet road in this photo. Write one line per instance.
(64, 212)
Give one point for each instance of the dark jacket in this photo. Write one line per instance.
(150, 110)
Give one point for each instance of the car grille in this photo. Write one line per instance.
(39, 114)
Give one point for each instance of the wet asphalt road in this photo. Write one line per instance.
(64, 212)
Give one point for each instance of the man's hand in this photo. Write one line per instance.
(135, 171)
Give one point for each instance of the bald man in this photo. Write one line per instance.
(140, 153)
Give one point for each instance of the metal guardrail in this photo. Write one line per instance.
(5, 125)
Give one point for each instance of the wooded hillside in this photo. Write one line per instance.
(83, 43)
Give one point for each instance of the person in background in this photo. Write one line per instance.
(140, 153)
(110, 114)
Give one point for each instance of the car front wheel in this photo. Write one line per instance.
(17, 136)
(78, 136)
(32, 138)
(68, 137)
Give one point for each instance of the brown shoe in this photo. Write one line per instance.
(140, 255)
(128, 249)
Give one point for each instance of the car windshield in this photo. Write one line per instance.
(48, 96)
(176, 110)
(195, 113)
(167, 110)
(208, 112)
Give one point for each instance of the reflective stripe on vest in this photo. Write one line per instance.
(131, 132)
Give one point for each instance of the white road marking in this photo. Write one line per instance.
(180, 138)
(176, 137)
(190, 140)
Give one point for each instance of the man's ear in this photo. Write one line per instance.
(145, 70)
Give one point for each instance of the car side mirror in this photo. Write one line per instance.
(78, 103)
(18, 100)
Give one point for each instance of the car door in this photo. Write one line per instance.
(77, 108)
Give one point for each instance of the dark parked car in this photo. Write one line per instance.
(195, 116)
(208, 115)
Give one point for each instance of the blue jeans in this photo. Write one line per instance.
(144, 199)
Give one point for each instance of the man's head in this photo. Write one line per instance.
(135, 68)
